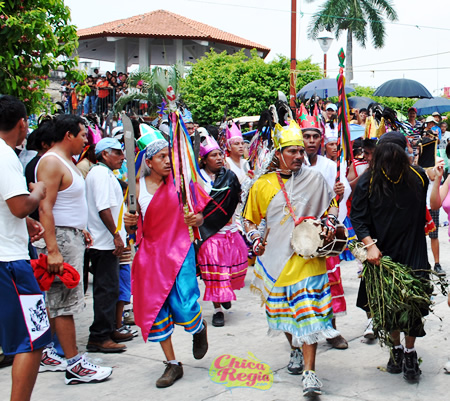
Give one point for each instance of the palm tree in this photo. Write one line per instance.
(353, 16)
(152, 83)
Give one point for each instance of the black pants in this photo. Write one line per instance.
(105, 268)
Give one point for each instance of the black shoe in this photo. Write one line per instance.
(226, 305)
(439, 270)
(395, 362)
(200, 342)
(411, 371)
(6, 360)
(218, 319)
(171, 374)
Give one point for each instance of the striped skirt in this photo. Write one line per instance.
(222, 260)
(181, 307)
(303, 310)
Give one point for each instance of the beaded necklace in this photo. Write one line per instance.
(394, 182)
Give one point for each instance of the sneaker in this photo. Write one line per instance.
(51, 361)
(128, 317)
(218, 319)
(83, 371)
(447, 367)
(200, 342)
(295, 365)
(171, 374)
(369, 333)
(121, 336)
(128, 330)
(439, 270)
(338, 342)
(311, 384)
(395, 362)
(411, 371)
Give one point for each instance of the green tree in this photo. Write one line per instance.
(35, 37)
(247, 85)
(355, 17)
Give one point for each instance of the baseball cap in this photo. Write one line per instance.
(436, 114)
(332, 107)
(103, 75)
(430, 119)
(413, 109)
(107, 143)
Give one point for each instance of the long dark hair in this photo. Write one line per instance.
(390, 166)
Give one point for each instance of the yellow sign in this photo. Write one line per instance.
(232, 371)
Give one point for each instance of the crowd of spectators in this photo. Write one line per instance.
(105, 90)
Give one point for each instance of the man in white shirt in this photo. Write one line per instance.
(104, 198)
(24, 325)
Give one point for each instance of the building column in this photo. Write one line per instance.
(121, 57)
(144, 53)
(179, 51)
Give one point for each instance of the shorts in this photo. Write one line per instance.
(435, 217)
(62, 301)
(125, 283)
(24, 324)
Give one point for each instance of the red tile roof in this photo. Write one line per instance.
(165, 24)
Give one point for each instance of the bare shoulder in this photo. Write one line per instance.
(50, 166)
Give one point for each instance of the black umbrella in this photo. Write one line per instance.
(359, 102)
(403, 88)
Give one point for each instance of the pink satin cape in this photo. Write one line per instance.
(162, 250)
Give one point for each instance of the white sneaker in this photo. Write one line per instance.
(51, 361)
(369, 333)
(127, 329)
(311, 384)
(295, 366)
(447, 367)
(83, 371)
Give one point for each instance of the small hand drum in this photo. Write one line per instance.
(308, 242)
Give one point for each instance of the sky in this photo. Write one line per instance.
(417, 45)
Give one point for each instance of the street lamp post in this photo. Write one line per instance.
(292, 76)
(325, 43)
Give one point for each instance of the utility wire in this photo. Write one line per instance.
(325, 15)
(403, 59)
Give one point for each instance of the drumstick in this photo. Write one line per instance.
(266, 235)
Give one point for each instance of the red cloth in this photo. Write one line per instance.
(70, 277)
(429, 224)
(163, 248)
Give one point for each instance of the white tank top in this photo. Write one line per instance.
(144, 197)
(70, 208)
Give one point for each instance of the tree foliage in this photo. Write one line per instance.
(151, 85)
(35, 37)
(247, 85)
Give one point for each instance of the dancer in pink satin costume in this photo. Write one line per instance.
(222, 255)
(164, 283)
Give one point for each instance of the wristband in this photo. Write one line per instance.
(330, 222)
(250, 235)
(256, 245)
